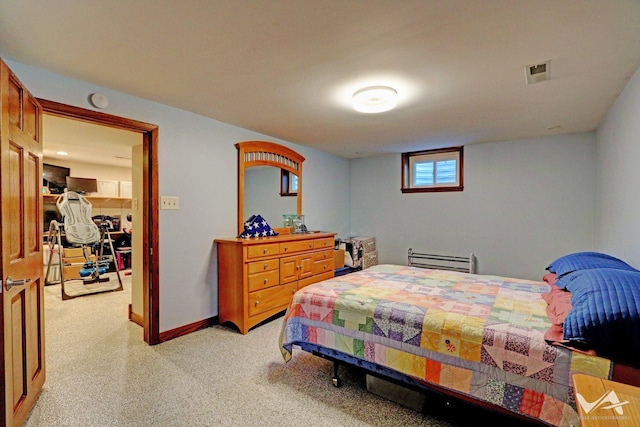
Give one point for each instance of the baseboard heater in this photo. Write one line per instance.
(442, 262)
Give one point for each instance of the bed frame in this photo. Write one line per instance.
(384, 373)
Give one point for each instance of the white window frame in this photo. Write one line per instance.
(288, 183)
(410, 159)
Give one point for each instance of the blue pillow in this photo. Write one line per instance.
(586, 260)
(575, 279)
(605, 311)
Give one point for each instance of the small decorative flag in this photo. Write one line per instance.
(256, 226)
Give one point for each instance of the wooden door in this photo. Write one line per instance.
(22, 291)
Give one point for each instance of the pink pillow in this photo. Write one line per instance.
(558, 304)
(550, 278)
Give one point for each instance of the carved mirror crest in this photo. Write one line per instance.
(263, 153)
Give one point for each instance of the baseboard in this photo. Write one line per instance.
(135, 318)
(187, 329)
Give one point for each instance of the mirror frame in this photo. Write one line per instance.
(263, 153)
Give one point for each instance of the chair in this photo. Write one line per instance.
(81, 231)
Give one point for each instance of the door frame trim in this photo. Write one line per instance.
(150, 258)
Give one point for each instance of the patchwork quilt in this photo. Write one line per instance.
(478, 335)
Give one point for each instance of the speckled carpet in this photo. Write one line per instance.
(101, 373)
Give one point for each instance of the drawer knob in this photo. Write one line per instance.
(293, 291)
(286, 247)
(265, 266)
(265, 281)
(257, 302)
(310, 245)
(264, 251)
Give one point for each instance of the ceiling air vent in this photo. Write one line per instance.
(538, 72)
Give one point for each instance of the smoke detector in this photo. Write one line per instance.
(98, 100)
(538, 72)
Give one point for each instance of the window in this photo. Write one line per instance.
(432, 170)
(288, 183)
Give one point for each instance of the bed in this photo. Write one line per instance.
(478, 337)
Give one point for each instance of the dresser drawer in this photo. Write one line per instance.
(268, 299)
(263, 280)
(260, 266)
(323, 266)
(327, 243)
(324, 255)
(296, 246)
(255, 251)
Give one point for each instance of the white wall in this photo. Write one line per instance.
(524, 203)
(137, 241)
(618, 175)
(197, 163)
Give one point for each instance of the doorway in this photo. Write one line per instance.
(147, 204)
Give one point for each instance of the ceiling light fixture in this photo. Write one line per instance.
(375, 99)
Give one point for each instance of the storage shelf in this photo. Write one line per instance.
(96, 201)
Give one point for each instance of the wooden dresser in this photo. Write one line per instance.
(257, 277)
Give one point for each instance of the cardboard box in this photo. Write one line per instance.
(367, 243)
(338, 258)
(72, 272)
(369, 259)
(72, 252)
(76, 260)
(73, 265)
(404, 396)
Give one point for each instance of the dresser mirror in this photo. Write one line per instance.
(261, 167)
(262, 194)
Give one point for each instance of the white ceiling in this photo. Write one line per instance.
(87, 143)
(288, 68)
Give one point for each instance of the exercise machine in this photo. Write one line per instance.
(81, 231)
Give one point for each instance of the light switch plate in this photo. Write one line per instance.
(169, 202)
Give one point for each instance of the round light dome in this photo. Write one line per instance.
(375, 99)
